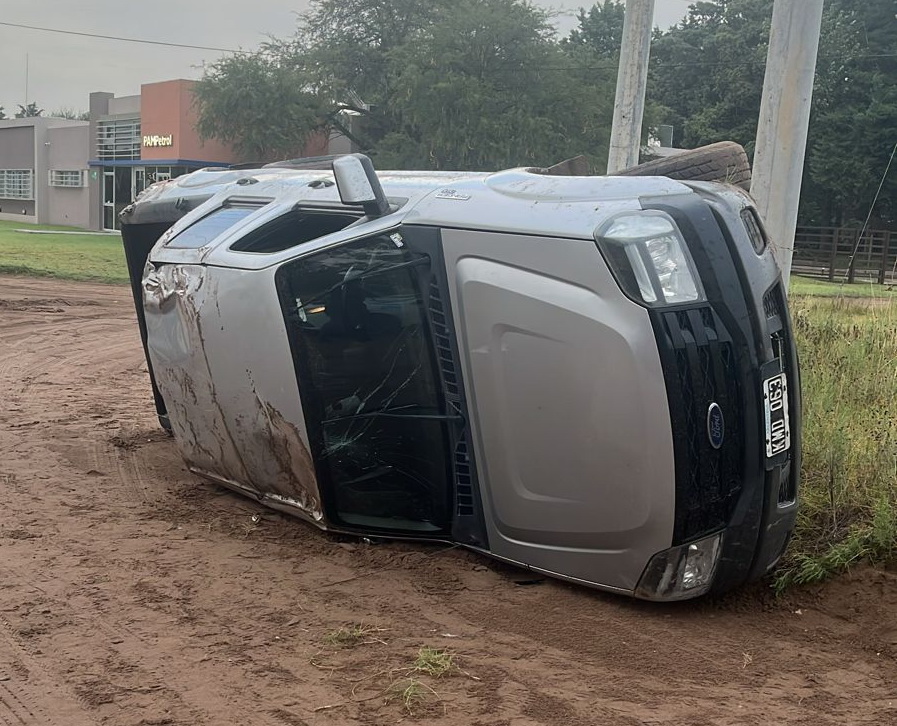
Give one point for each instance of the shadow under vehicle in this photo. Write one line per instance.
(592, 377)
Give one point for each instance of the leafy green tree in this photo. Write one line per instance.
(707, 72)
(853, 127)
(464, 84)
(263, 104)
(600, 29)
(29, 111)
(486, 86)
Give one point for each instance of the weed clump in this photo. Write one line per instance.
(355, 634)
(848, 512)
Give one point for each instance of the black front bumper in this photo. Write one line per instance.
(720, 352)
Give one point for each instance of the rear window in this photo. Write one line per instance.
(209, 227)
(291, 229)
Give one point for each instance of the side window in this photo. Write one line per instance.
(203, 231)
(291, 229)
(754, 229)
(358, 324)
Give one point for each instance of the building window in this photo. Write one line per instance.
(16, 184)
(118, 139)
(66, 177)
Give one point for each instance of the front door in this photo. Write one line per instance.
(370, 385)
(108, 199)
(118, 187)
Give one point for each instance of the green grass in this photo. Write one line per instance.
(848, 512)
(823, 288)
(434, 661)
(96, 258)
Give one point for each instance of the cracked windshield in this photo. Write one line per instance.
(365, 357)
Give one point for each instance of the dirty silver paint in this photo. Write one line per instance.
(562, 375)
(219, 365)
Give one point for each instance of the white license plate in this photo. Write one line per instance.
(775, 407)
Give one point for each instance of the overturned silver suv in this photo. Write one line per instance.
(592, 377)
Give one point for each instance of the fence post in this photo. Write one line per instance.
(833, 258)
(885, 250)
(852, 260)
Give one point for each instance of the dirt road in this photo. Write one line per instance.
(132, 592)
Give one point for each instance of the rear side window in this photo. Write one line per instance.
(209, 227)
(291, 229)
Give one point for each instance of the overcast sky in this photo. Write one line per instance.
(63, 69)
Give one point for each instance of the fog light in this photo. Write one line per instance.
(681, 572)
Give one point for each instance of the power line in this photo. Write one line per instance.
(116, 37)
(597, 67)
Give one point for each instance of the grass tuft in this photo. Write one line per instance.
(411, 692)
(434, 661)
(355, 634)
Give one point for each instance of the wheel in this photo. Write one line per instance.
(725, 161)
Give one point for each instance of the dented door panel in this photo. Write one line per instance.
(219, 350)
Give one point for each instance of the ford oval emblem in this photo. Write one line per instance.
(716, 425)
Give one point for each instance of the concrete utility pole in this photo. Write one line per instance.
(784, 119)
(632, 77)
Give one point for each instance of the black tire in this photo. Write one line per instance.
(725, 161)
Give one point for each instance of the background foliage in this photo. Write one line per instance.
(490, 84)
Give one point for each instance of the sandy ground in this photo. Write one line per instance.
(132, 592)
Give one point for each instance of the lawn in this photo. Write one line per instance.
(823, 288)
(93, 257)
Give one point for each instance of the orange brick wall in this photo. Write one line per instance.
(167, 108)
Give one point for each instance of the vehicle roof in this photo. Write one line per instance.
(516, 201)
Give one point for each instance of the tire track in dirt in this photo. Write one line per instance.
(49, 356)
(29, 694)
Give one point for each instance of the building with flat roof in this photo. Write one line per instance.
(43, 171)
(83, 173)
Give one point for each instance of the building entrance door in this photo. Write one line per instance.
(108, 199)
(118, 188)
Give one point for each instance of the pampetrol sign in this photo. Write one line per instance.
(157, 140)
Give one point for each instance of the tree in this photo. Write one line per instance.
(466, 84)
(487, 87)
(70, 113)
(353, 49)
(263, 104)
(2, 113)
(706, 77)
(707, 72)
(853, 128)
(600, 29)
(29, 111)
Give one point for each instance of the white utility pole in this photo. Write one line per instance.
(784, 119)
(632, 77)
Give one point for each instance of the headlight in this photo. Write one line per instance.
(648, 256)
(681, 572)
